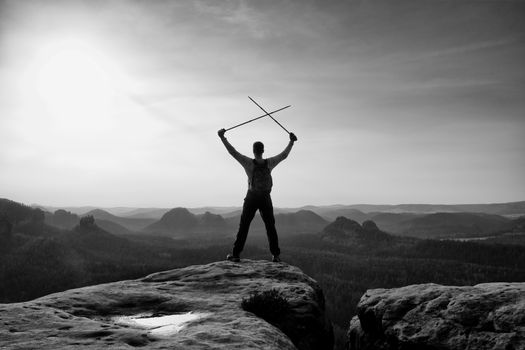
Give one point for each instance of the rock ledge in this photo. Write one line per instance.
(85, 317)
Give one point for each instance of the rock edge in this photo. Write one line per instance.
(83, 317)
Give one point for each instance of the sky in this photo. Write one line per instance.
(118, 103)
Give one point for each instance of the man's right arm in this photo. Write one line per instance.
(231, 150)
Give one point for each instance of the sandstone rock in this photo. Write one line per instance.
(349, 232)
(102, 316)
(431, 316)
(369, 225)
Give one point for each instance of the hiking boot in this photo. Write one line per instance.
(233, 258)
(276, 258)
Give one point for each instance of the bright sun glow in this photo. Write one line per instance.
(75, 82)
(73, 103)
(73, 77)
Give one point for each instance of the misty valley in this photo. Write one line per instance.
(347, 249)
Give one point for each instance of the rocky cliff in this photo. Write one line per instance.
(349, 232)
(197, 307)
(431, 317)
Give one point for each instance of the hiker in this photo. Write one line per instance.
(258, 196)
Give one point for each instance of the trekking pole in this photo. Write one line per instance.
(269, 114)
(262, 116)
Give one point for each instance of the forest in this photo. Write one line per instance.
(37, 259)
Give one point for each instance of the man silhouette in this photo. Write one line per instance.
(258, 197)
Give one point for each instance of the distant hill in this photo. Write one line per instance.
(514, 234)
(157, 213)
(362, 212)
(441, 225)
(84, 210)
(349, 213)
(303, 221)
(232, 214)
(62, 219)
(449, 225)
(17, 213)
(24, 219)
(517, 225)
(132, 224)
(75, 210)
(396, 223)
(176, 219)
(114, 228)
(511, 208)
(94, 240)
(213, 210)
(66, 220)
(180, 222)
(146, 213)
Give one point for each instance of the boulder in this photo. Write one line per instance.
(431, 316)
(197, 307)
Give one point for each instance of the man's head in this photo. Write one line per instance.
(258, 148)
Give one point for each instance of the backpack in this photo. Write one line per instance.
(261, 178)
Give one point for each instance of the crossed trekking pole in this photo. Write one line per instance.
(269, 114)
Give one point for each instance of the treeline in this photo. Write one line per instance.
(473, 252)
(31, 267)
(504, 255)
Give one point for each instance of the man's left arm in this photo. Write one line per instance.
(284, 154)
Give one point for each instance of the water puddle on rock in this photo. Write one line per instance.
(165, 325)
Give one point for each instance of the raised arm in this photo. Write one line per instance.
(284, 154)
(231, 150)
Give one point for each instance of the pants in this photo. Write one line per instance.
(252, 202)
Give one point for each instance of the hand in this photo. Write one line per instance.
(221, 133)
(293, 138)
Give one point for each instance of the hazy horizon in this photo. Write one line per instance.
(239, 206)
(118, 103)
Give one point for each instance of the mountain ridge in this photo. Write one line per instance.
(502, 208)
(450, 225)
